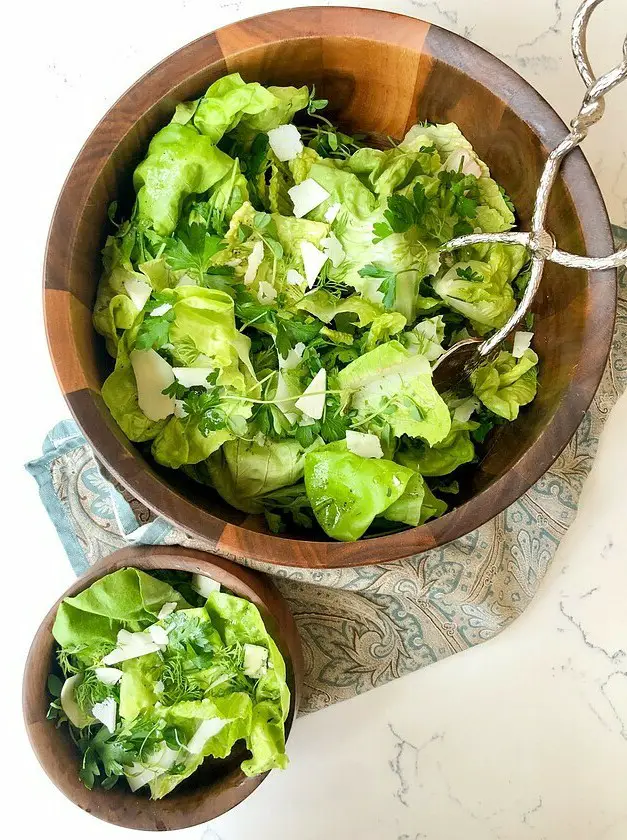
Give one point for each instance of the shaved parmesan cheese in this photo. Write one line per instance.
(522, 342)
(266, 292)
(293, 357)
(179, 409)
(363, 444)
(206, 730)
(137, 776)
(295, 278)
(313, 260)
(186, 280)
(306, 196)
(138, 291)
(192, 377)
(285, 142)
(122, 654)
(158, 635)
(164, 758)
(161, 310)
(166, 609)
(467, 160)
(205, 585)
(108, 676)
(331, 213)
(255, 661)
(152, 374)
(234, 262)
(254, 261)
(283, 398)
(72, 710)
(464, 410)
(333, 249)
(130, 646)
(306, 420)
(159, 687)
(313, 398)
(106, 713)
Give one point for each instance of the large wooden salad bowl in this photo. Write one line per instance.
(381, 72)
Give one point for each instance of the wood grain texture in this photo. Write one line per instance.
(381, 72)
(216, 787)
(71, 334)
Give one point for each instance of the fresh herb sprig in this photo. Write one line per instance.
(191, 250)
(333, 425)
(288, 328)
(456, 195)
(469, 275)
(387, 287)
(205, 407)
(90, 690)
(315, 104)
(154, 331)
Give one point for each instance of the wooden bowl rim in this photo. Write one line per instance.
(578, 180)
(234, 786)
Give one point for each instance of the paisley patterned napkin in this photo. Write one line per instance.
(363, 627)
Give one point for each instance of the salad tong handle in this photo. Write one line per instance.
(539, 241)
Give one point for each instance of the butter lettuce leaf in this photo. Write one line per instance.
(408, 507)
(287, 102)
(180, 162)
(389, 384)
(181, 442)
(231, 101)
(481, 290)
(127, 599)
(244, 471)
(442, 458)
(347, 491)
(225, 103)
(506, 384)
(426, 338)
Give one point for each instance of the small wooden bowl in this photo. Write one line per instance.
(217, 786)
(381, 73)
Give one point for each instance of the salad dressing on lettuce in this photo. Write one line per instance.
(161, 671)
(277, 299)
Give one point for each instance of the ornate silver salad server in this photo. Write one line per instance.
(454, 366)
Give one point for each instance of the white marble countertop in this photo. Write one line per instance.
(522, 738)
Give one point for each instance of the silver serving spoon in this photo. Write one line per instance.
(452, 369)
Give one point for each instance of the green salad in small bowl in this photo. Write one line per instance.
(277, 296)
(158, 672)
